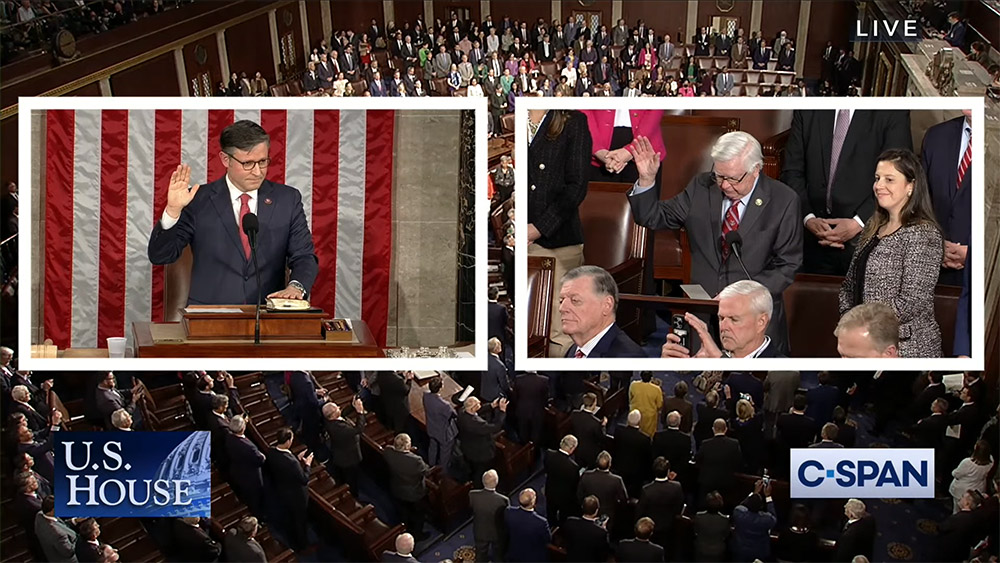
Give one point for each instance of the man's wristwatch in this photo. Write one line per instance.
(299, 287)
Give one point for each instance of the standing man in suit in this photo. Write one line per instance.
(476, 435)
(786, 57)
(702, 41)
(947, 158)
(394, 391)
(192, 543)
(718, 458)
(407, 471)
(497, 317)
(779, 390)
(858, 537)
(589, 431)
(528, 528)
(488, 526)
(218, 426)
(585, 537)
(640, 549)
(290, 479)
(830, 160)
(58, 539)
(441, 429)
(734, 197)
(495, 381)
(239, 543)
(724, 83)
(530, 396)
(248, 482)
(761, 55)
(673, 443)
(324, 73)
(588, 303)
(633, 453)
(605, 485)
(562, 476)
(662, 500)
(222, 269)
(679, 403)
(345, 442)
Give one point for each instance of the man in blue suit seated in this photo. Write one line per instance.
(744, 313)
(588, 303)
(209, 219)
(528, 532)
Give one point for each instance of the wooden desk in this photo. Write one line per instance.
(147, 347)
(449, 388)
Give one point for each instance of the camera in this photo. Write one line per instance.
(680, 327)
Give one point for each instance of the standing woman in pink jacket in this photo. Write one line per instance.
(612, 131)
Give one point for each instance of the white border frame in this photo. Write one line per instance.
(477, 363)
(976, 362)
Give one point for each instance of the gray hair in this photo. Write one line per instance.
(736, 144)
(634, 416)
(220, 402)
(493, 345)
(760, 297)
(238, 424)
(604, 284)
(402, 442)
(7, 350)
(404, 544)
(855, 508)
(19, 393)
(491, 479)
(878, 318)
(568, 443)
(673, 419)
(118, 418)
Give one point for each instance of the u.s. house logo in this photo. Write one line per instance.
(133, 474)
(862, 473)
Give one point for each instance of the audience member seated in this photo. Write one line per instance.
(588, 303)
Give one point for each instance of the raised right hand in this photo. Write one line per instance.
(180, 192)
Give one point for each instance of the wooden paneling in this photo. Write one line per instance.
(761, 124)
(288, 20)
(781, 14)
(92, 89)
(828, 21)
(249, 48)
(602, 6)
(357, 15)
(212, 64)
(155, 77)
(314, 19)
(741, 11)
(521, 10)
(662, 20)
(8, 156)
(443, 8)
(407, 11)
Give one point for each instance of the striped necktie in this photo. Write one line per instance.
(963, 167)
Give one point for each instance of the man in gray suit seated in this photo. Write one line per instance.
(734, 197)
(488, 526)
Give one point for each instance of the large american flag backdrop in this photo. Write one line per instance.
(106, 176)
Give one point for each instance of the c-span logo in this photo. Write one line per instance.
(862, 473)
(133, 474)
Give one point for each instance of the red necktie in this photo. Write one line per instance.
(731, 223)
(964, 166)
(579, 354)
(244, 209)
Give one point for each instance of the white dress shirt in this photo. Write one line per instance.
(588, 347)
(166, 221)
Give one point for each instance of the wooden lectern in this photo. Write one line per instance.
(237, 322)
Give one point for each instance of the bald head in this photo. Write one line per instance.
(719, 426)
(404, 544)
(527, 499)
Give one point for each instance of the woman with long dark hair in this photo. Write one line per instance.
(558, 171)
(899, 254)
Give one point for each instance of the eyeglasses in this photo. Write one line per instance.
(248, 165)
(720, 179)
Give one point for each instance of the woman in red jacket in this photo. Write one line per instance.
(612, 131)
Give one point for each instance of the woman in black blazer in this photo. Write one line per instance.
(558, 168)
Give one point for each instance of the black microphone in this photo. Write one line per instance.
(735, 241)
(250, 227)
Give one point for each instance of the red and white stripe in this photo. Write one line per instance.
(106, 175)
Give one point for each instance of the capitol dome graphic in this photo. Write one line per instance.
(190, 461)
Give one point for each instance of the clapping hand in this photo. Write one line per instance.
(503, 404)
(180, 192)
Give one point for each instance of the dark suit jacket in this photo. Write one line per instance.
(531, 533)
(807, 159)
(497, 321)
(606, 486)
(345, 441)
(191, 543)
(219, 428)
(760, 59)
(638, 551)
(962, 346)
(673, 445)
(683, 406)
(858, 539)
(952, 205)
(440, 415)
(633, 454)
(957, 534)
(36, 420)
(562, 475)
(395, 393)
(245, 455)
(821, 401)
(42, 453)
(585, 540)
(921, 405)
(488, 515)
(531, 395)
(290, 480)
(221, 273)
(614, 344)
(476, 435)
(239, 548)
(956, 35)
(742, 382)
(558, 175)
(662, 501)
(718, 458)
(310, 82)
(201, 407)
(772, 235)
(706, 417)
(407, 471)
(590, 437)
(796, 430)
(86, 551)
(495, 382)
